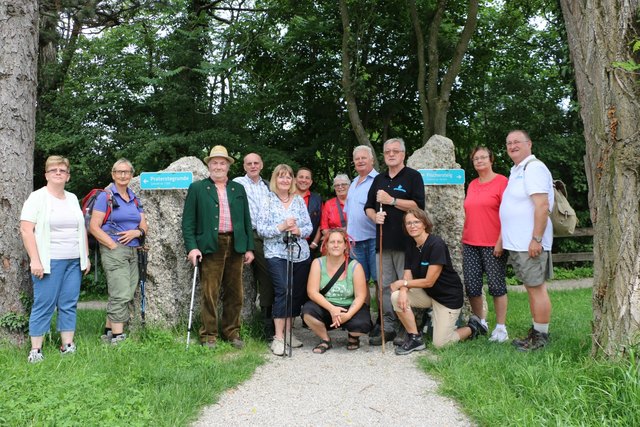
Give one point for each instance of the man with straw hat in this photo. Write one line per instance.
(216, 227)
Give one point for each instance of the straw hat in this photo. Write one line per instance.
(219, 151)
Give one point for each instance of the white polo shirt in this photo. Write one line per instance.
(517, 208)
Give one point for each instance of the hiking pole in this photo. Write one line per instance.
(193, 291)
(289, 296)
(142, 272)
(380, 285)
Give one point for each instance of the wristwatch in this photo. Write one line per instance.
(406, 284)
(537, 239)
(394, 201)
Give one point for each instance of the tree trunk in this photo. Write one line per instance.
(434, 94)
(347, 83)
(601, 33)
(18, 82)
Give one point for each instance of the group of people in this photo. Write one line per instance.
(52, 226)
(309, 259)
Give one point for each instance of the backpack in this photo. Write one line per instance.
(563, 216)
(88, 203)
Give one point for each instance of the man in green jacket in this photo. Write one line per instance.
(216, 227)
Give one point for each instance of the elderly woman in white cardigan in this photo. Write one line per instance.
(53, 232)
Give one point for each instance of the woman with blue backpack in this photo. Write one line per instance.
(118, 224)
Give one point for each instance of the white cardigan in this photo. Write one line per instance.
(36, 209)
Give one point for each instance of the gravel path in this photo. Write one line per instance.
(356, 388)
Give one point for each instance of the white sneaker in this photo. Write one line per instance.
(68, 349)
(499, 335)
(277, 346)
(35, 356)
(295, 342)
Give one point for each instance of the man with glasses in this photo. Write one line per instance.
(360, 227)
(392, 193)
(528, 234)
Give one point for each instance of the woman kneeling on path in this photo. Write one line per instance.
(337, 291)
(429, 281)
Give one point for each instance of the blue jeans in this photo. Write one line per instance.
(61, 289)
(278, 270)
(365, 252)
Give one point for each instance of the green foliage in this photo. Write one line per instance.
(559, 385)
(18, 322)
(147, 380)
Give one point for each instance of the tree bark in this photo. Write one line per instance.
(347, 83)
(18, 82)
(601, 32)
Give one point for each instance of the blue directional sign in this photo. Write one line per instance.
(165, 180)
(442, 176)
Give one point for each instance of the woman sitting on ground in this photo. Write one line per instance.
(341, 304)
(429, 281)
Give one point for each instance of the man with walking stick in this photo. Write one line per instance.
(216, 227)
(392, 193)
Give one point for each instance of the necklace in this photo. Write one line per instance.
(283, 200)
(422, 245)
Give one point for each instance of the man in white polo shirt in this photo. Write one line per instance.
(528, 234)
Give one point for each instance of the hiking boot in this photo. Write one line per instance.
(477, 328)
(210, 344)
(401, 336)
(499, 335)
(115, 340)
(519, 342)
(277, 346)
(68, 349)
(106, 338)
(237, 343)
(537, 341)
(35, 356)
(377, 340)
(412, 343)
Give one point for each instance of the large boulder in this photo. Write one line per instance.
(169, 274)
(443, 203)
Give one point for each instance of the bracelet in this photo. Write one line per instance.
(315, 245)
(142, 233)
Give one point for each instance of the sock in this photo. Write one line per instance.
(115, 335)
(500, 326)
(484, 323)
(541, 327)
(106, 331)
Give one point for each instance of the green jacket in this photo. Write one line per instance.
(200, 217)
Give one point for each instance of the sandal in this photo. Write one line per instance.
(353, 343)
(322, 347)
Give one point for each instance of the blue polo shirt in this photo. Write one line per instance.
(122, 218)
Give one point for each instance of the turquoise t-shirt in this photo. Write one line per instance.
(342, 293)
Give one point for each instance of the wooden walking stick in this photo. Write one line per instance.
(380, 285)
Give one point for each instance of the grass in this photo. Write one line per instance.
(147, 380)
(560, 385)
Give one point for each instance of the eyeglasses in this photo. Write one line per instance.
(412, 223)
(58, 170)
(340, 185)
(478, 158)
(510, 143)
(394, 152)
(124, 173)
